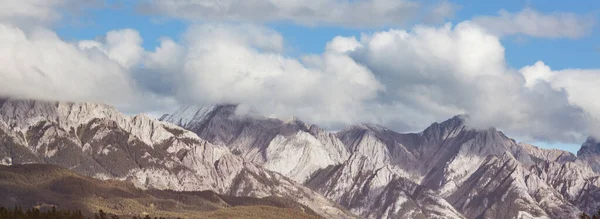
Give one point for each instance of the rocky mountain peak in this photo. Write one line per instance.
(590, 146)
(590, 152)
(444, 129)
(192, 115)
(364, 127)
(22, 114)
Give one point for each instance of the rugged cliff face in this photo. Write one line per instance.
(447, 171)
(96, 140)
(481, 173)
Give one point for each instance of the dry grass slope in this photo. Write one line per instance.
(44, 186)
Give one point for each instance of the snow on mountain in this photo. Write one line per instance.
(98, 141)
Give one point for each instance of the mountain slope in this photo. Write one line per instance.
(96, 140)
(453, 161)
(48, 185)
(292, 148)
(501, 188)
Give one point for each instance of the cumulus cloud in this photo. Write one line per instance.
(122, 46)
(404, 79)
(579, 85)
(221, 64)
(349, 13)
(433, 73)
(40, 65)
(533, 23)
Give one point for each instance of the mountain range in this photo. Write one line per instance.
(449, 170)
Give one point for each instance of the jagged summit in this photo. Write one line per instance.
(590, 146)
(457, 120)
(23, 115)
(365, 126)
(292, 147)
(590, 152)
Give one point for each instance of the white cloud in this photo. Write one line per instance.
(433, 73)
(40, 65)
(223, 65)
(123, 46)
(349, 13)
(580, 86)
(533, 23)
(398, 78)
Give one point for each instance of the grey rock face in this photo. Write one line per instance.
(292, 148)
(98, 141)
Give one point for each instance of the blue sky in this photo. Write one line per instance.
(402, 93)
(520, 50)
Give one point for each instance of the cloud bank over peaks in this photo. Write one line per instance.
(38, 64)
(404, 79)
(221, 64)
(433, 73)
(579, 86)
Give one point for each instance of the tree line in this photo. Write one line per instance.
(593, 216)
(34, 213)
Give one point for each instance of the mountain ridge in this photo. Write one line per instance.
(448, 170)
(456, 155)
(98, 141)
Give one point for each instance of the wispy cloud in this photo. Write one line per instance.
(537, 24)
(358, 13)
